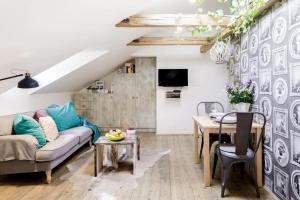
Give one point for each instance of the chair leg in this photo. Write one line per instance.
(225, 177)
(215, 165)
(253, 167)
(222, 182)
(201, 148)
(242, 169)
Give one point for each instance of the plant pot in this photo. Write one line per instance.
(241, 107)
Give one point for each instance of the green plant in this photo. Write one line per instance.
(244, 15)
(240, 93)
(218, 14)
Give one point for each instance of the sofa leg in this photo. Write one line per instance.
(90, 143)
(48, 176)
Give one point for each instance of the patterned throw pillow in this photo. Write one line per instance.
(49, 127)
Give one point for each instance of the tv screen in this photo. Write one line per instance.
(173, 77)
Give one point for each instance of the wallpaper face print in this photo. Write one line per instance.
(269, 55)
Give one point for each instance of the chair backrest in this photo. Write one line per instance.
(243, 130)
(243, 124)
(209, 106)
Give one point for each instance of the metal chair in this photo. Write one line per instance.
(210, 106)
(241, 151)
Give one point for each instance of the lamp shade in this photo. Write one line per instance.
(28, 82)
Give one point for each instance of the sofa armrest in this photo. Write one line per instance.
(18, 147)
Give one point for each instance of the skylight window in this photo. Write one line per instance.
(67, 66)
(60, 70)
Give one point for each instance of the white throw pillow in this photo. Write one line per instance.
(49, 127)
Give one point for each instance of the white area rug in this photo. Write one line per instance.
(105, 186)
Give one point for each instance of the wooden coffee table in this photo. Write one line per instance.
(134, 141)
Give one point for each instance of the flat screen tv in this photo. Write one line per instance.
(173, 77)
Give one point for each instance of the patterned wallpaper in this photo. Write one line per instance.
(270, 55)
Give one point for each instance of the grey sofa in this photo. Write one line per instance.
(20, 154)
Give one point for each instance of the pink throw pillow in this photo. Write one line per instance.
(40, 113)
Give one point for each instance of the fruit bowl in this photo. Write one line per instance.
(115, 135)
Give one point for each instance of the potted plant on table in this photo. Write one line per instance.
(241, 95)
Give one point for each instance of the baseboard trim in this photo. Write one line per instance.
(271, 193)
(166, 134)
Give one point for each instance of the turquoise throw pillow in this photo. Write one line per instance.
(65, 116)
(27, 125)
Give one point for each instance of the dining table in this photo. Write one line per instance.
(209, 126)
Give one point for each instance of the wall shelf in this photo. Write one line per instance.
(175, 94)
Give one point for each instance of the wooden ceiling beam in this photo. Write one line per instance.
(205, 48)
(172, 20)
(146, 41)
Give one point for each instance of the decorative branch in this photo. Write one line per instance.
(244, 17)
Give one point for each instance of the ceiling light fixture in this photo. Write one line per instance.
(26, 83)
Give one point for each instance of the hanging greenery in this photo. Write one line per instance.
(244, 15)
(243, 12)
(198, 30)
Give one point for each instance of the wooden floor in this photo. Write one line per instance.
(174, 176)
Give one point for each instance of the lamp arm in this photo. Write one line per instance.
(10, 77)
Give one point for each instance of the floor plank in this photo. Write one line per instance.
(173, 177)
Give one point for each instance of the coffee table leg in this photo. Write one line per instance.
(100, 153)
(134, 158)
(114, 156)
(96, 161)
(138, 147)
(98, 158)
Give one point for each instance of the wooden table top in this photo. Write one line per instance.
(207, 122)
(127, 140)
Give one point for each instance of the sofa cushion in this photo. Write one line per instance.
(49, 127)
(18, 147)
(81, 132)
(24, 124)
(6, 124)
(65, 116)
(30, 114)
(57, 148)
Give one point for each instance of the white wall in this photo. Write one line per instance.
(41, 34)
(19, 101)
(206, 83)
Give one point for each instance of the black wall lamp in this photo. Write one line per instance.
(26, 83)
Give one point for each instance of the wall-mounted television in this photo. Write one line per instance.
(173, 77)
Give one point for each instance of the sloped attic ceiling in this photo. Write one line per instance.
(37, 35)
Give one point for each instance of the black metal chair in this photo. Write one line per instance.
(241, 151)
(210, 106)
